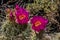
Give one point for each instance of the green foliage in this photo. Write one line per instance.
(10, 29)
(47, 5)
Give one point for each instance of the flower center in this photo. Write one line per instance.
(37, 23)
(21, 17)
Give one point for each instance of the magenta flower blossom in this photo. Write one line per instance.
(38, 23)
(22, 16)
(11, 16)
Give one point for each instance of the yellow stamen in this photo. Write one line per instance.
(21, 17)
(37, 23)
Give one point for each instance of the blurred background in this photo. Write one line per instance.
(49, 9)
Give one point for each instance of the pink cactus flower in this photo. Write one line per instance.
(11, 16)
(38, 23)
(22, 16)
